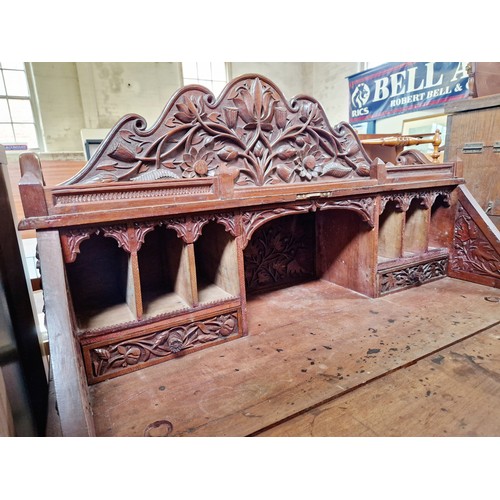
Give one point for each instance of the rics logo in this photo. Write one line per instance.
(360, 95)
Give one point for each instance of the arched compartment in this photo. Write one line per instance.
(100, 284)
(281, 253)
(333, 244)
(164, 273)
(216, 265)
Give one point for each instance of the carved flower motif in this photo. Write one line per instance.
(256, 106)
(188, 109)
(129, 356)
(310, 160)
(198, 162)
(227, 326)
(389, 281)
(122, 153)
(175, 342)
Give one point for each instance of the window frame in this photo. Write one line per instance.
(31, 98)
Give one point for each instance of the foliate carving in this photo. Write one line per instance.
(364, 207)
(280, 253)
(71, 240)
(472, 252)
(412, 275)
(403, 200)
(229, 221)
(123, 355)
(188, 227)
(119, 233)
(251, 221)
(250, 127)
(140, 231)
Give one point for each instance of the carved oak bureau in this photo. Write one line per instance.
(151, 250)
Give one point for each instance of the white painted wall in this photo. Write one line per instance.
(91, 95)
(58, 93)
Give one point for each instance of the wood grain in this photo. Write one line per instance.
(451, 392)
(293, 360)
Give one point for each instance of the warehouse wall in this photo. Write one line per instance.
(95, 95)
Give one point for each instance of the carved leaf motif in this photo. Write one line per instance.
(254, 127)
(122, 153)
(102, 353)
(228, 154)
(336, 169)
(116, 358)
(153, 175)
(472, 252)
(108, 166)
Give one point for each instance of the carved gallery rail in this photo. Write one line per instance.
(149, 252)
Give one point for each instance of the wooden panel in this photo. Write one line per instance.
(390, 239)
(65, 355)
(346, 250)
(216, 264)
(292, 360)
(473, 124)
(54, 172)
(416, 229)
(475, 253)
(433, 397)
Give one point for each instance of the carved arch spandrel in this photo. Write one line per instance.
(253, 219)
(128, 237)
(403, 200)
(250, 128)
(71, 240)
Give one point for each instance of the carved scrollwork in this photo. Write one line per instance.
(251, 221)
(188, 227)
(71, 240)
(364, 207)
(392, 280)
(229, 221)
(115, 358)
(472, 252)
(250, 127)
(404, 200)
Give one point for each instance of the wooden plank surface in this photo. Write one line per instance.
(306, 345)
(453, 392)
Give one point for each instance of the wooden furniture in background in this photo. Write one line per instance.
(484, 78)
(149, 252)
(473, 136)
(22, 369)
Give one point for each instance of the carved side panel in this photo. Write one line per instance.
(472, 251)
(121, 357)
(394, 280)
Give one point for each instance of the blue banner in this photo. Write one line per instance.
(396, 88)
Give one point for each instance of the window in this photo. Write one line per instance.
(212, 75)
(17, 124)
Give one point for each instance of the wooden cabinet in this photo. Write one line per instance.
(473, 136)
(149, 252)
